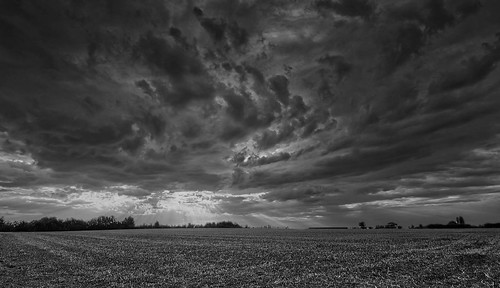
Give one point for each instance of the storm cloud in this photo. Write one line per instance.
(321, 112)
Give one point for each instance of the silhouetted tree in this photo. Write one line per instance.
(106, 222)
(391, 225)
(128, 222)
(22, 226)
(46, 224)
(362, 225)
(491, 225)
(74, 224)
(223, 224)
(4, 226)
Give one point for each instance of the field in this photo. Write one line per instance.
(251, 258)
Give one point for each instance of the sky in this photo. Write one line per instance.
(282, 113)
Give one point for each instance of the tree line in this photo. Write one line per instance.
(222, 224)
(99, 223)
(55, 224)
(459, 222)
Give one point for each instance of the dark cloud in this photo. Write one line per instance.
(215, 27)
(231, 132)
(242, 109)
(238, 177)
(339, 65)
(416, 22)
(464, 8)
(406, 41)
(297, 106)
(279, 85)
(400, 101)
(471, 70)
(145, 87)
(352, 164)
(282, 114)
(308, 195)
(190, 128)
(433, 14)
(176, 33)
(255, 73)
(310, 128)
(317, 121)
(351, 8)
(73, 109)
(268, 138)
(186, 80)
(229, 34)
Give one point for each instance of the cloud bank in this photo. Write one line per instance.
(324, 112)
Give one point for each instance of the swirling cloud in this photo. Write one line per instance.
(305, 113)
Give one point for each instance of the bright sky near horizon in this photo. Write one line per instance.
(287, 113)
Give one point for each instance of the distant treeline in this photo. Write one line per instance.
(448, 226)
(99, 223)
(458, 222)
(223, 224)
(54, 224)
(330, 227)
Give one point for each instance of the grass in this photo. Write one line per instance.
(251, 258)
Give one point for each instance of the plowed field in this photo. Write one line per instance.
(251, 258)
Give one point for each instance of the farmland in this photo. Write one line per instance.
(251, 258)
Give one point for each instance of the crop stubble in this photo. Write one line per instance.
(251, 258)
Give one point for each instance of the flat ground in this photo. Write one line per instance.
(251, 258)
